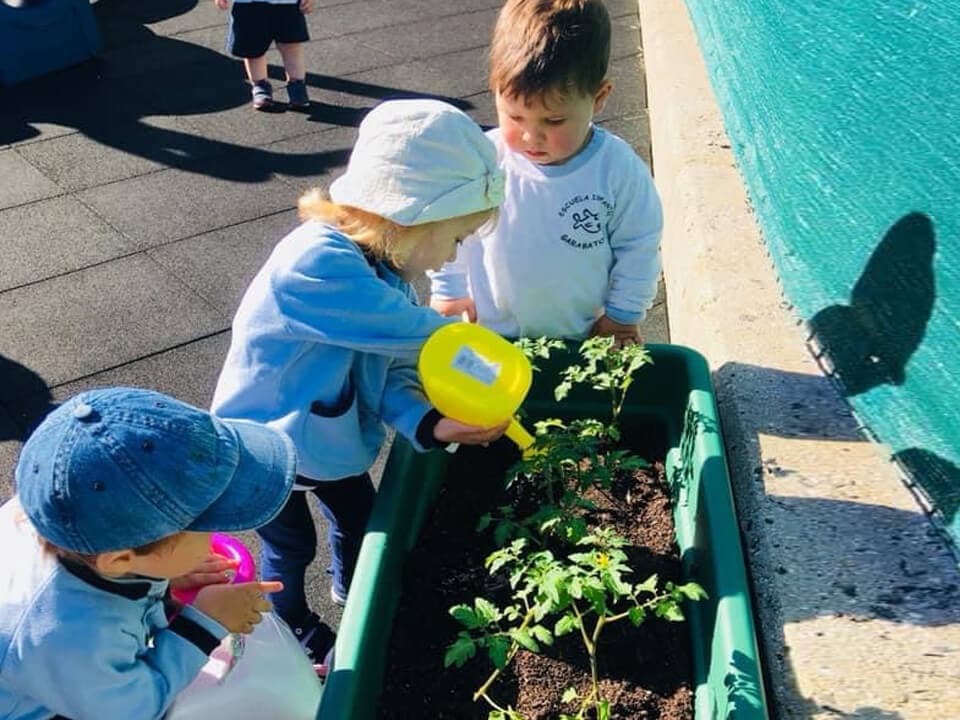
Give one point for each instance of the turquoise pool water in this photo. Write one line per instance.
(845, 120)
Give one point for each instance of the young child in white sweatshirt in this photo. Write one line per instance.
(576, 249)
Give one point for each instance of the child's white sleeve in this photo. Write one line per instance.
(635, 230)
(450, 281)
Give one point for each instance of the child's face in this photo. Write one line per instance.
(438, 243)
(549, 129)
(179, 555)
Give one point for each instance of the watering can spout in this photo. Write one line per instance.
(523, 440)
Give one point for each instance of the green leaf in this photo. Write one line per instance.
(670, 611)
(637, 615)
(567, 624)
(524, 639)
(542, 634)
(465, 615)
(487, 612)
(484, 522)
(691, 591)
(498, 646)
(603, 710)
(649, 585)
(569, 695)
(460, 651)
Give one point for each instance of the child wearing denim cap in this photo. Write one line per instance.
(254, 26)
(117, 493)
(326, 338)
(576, 248)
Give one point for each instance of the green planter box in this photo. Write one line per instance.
(670, 413)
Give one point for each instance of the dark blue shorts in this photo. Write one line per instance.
(254, 26)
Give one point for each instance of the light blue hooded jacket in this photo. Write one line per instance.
(324, 348)
(76, 644)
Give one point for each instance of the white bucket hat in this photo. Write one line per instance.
(419, 161)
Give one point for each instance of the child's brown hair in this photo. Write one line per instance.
(545, 46)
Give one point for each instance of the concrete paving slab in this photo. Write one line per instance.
(51, 237)
(310, 161)
(439, 36)
(219, 265)
(82, 323)
(856, 598)
(466, 69)
(22, 182)
(356, 18)
(74, 100)
(405, 79)
(161, 18)
(77, 161)
(174, 204)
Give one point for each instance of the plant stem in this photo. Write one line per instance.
(482, 692)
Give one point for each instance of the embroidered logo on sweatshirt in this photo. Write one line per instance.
(585, 216)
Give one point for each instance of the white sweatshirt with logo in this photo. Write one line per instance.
(571, 242)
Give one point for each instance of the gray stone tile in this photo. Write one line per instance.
(220, 265)
(51, 237)
(625, 37)
(466, 71)
(188, 372)
(173, 204)
(355, 18)
(159, 53)
(77, 161)
(22, 182)
(140, 21)
(311, 160)
(436, 37)
(82, 323)
(412, 78)
(433, 8)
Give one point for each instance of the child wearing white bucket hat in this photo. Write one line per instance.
(327, 335)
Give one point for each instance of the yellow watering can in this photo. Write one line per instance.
(474, 376)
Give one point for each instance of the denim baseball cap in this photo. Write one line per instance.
(122, 467)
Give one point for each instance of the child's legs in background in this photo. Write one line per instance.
(294, 61)
(288, 546)
(249, 37)
(256, 68)
(346, 504)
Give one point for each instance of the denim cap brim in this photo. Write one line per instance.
(118, 468)
(261, 484)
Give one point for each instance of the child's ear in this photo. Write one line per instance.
(115, 562)
(600, 98)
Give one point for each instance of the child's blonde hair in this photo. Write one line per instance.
(546, 46)
(381, 237)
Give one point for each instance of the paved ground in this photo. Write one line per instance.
(140, 193)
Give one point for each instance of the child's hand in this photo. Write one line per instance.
(621, 334)
(456, 308)
(215, 570)
(306, 6)
(222, 4)
(448, 431)
(236, 607)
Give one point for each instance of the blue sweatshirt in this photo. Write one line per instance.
(87, 647)
(324, 348)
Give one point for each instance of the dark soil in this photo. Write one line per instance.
(645, 672)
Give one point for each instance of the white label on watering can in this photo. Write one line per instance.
(469, 362)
